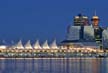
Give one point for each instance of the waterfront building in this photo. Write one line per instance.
(97, 30)
(81, 20)
(37, 45)
(19, 45)
(81, 38)
(105, 38)
(45, 45)
(73, 33)
(88, 33)
(84, 33)
(53, 45)
(28, 45)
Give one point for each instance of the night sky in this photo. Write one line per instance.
(45, 19)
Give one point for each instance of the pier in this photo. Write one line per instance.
(36, 53)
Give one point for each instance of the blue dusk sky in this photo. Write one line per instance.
(45, 19)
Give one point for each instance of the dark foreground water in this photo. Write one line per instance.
(73, 65)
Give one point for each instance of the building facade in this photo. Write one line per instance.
(87, 34)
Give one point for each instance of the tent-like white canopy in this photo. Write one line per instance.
(19, 45)
(53, 45)
(28, 45)
(45, 45)
(37, 45)
(3, 46)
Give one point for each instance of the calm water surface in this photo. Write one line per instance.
(73, 65)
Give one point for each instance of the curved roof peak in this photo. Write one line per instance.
(45, 45)
(28, 45)
(53, 45)
(37, 45)
(19, 45)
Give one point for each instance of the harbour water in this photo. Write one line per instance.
(54, 65)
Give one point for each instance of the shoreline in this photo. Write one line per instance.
(57, 58)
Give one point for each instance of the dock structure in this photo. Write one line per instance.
(83, 39)
(27, 50)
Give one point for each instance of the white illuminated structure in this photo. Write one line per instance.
(45, 45)
(73, 33)
(88, 32)
(28, 45)
(53, 45)
(37, 45)
(105, 38)
(19, 45)
(3, 47)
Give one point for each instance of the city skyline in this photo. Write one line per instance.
(31, 20)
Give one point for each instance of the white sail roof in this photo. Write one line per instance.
(28, 45)
(53, 45)
(45, 45)
(37, 45)
(19, 45)
(3, 46)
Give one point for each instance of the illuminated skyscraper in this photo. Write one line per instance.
(97, 30)
(81, 20)
(73, 33)
(88, 33)
(105, 38)
(83, 32)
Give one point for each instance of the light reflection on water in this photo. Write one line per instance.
(72, 65)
